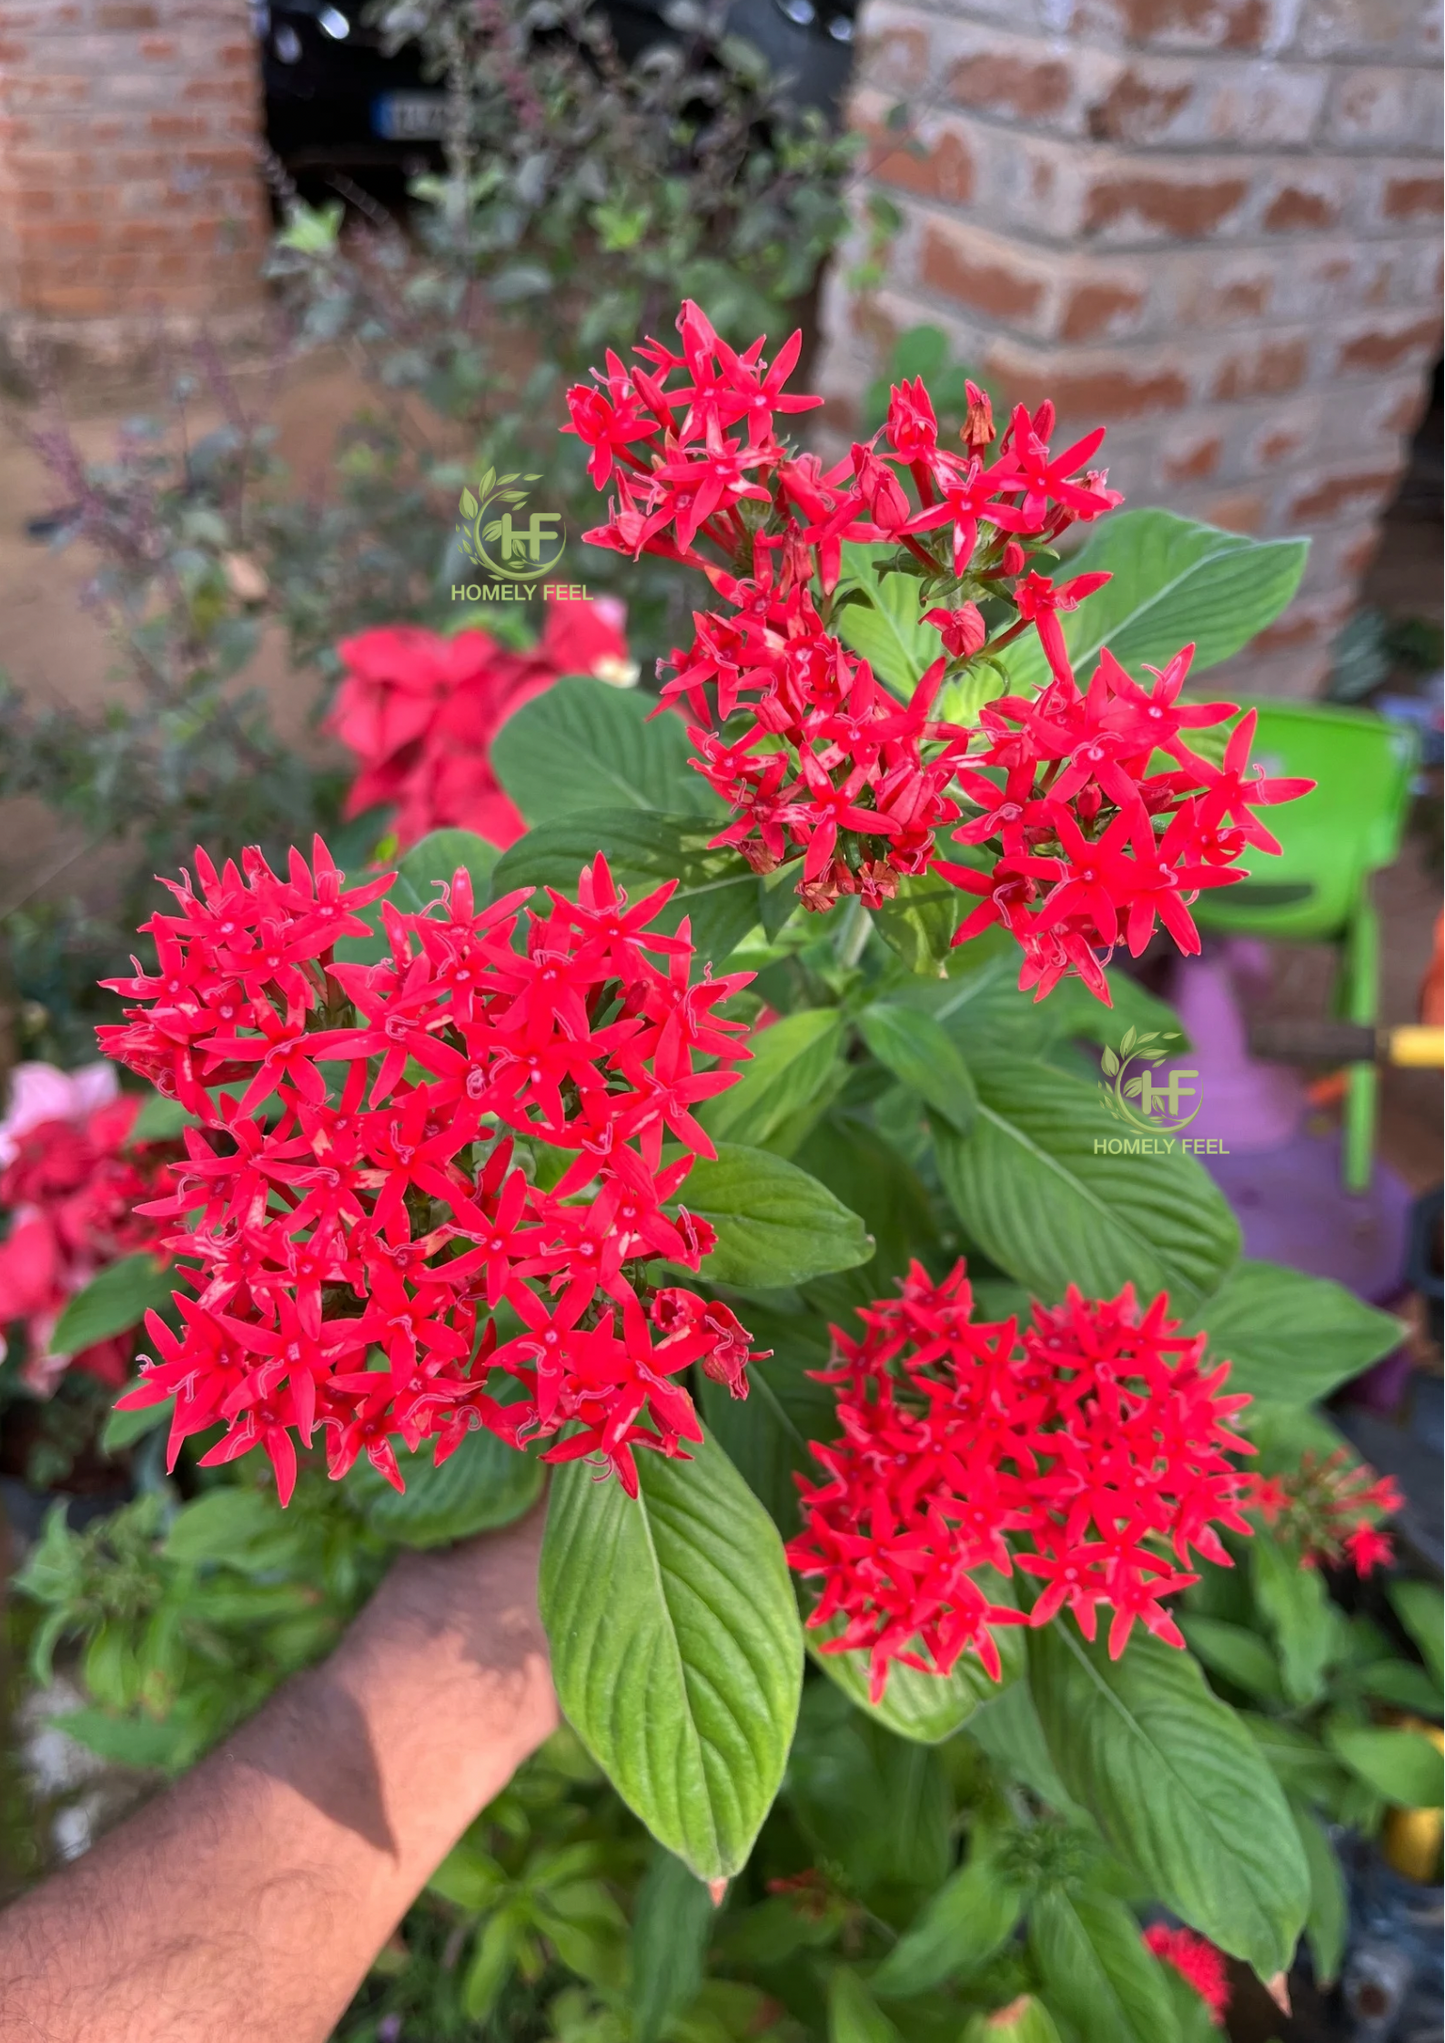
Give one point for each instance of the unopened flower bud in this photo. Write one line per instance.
(963, 630)
(978, 425)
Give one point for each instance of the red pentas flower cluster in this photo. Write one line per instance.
(420, 712)
(1201, 1964)
(792, 730)
(1328, 1510)
(415, 1180)
(1091, 1448)
(70, 1177)
(1091, 845)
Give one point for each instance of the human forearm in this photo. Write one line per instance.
(250, 1899)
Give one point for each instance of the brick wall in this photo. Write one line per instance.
(1213, 225)
(130, 191)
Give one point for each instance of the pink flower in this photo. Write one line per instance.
(40, 1092)
(70, 1184)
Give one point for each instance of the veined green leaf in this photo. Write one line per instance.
(789, 1069)
(921, 1054)
(1175, 583)
(1176, 1784)
(973, 1913)
(1036, 1187)
(776, 1226)
(118, 1299)
(1096, 1969)
(1289, 1337)
(583, 745)
(676, 1648)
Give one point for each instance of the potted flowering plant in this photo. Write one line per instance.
(707, 1150)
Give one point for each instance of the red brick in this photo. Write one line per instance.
(1272, 369)
(1093, 308)
(127, 17)
(1383, 350)
(945, 173)
(1326, 498)
(1181, 209)
(1294, 207)
(1238, 511)
(986, 284)
(1414, 198)
(1194, 463)
(1213, 303)
(1133, 110)
(1105, 391)
(1200, 24)
(1276, 446)
(997, 83)
(896, 57)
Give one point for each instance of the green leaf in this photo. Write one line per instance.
(889, 632)
(492, 1962)
(876, 1805)
(1097, 1970)
(928, 1707)
(122, 1429)
(1237, 1653)
(159, 1120)
(1401, 1766)
(676, 1649)
(1025, 2020)
(644, 851)
(971, 1916)
(853, 2014)
(1290, 1337)
(1175, 582)
(437, 857)
(1328, 1919)
(225, 1525)
(583, 745)
(1296, 1759)
(1418, 1607)
(919, 922)
(1176, 1784)
(1008, 1729)
(1297, 1609)
(119, 1298)
(1051, 1208)
(921, 1054)
(867, 1173)
(1403, 1683)
(128, 1741)
(483, 1484)
(468, 504)
(791, 1065)
(469, 1877)
(776, 1226)
(670, 1931)
(767, 1435)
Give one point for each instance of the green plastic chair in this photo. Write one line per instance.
(1318, 889)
